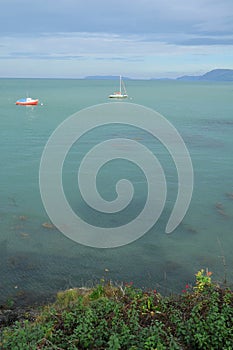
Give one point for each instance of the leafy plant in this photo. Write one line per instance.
(203, 280)
(111, 317)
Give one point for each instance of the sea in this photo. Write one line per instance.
(37, 260)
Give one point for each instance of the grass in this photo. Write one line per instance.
(116, 317)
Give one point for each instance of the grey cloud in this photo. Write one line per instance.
(132, 17)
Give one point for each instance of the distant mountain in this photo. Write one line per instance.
(213, 75)
(161, 79)
(106, 77)
(189, 78)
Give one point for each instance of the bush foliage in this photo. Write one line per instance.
(116, 317)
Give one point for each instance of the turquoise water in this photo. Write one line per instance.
(36, 261)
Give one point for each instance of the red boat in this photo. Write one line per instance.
(27, 102)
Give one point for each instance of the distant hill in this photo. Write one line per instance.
(106, 77)
(213, 75)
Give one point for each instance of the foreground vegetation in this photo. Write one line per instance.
(123, 317)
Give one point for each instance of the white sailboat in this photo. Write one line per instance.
(122, 91)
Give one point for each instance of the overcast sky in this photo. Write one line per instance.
(135, 38)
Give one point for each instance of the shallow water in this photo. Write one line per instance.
(36, 261)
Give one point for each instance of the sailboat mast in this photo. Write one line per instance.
(120, 83)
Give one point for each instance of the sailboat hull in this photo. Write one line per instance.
(117, 96)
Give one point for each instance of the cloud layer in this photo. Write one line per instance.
(142, 38)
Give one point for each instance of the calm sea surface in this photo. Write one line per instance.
(36, 261)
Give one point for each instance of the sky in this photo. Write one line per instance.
(136, 38)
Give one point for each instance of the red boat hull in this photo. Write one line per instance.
(27, 103)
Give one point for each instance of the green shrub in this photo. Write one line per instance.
(110, 317)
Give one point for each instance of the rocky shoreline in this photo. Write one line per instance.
(10, 316)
